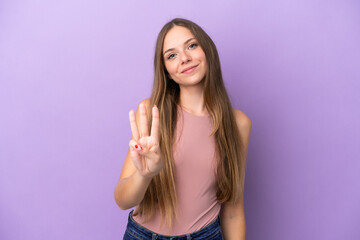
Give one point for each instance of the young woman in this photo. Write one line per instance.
(185, 168)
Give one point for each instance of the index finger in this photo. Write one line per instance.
(133, 125)
(155, 124)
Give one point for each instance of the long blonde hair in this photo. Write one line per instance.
(230, 175)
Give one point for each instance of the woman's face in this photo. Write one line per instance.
(184, 59)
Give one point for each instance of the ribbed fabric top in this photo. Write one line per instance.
(195, 166)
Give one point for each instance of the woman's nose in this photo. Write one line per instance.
(185, 57)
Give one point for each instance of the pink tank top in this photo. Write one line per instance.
(195, 167)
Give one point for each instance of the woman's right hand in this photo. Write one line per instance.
(144, 148)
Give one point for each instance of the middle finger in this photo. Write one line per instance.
(143, 121)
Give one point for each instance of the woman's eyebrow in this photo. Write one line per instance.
(170, 49)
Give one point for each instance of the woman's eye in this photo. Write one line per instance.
(194, 45)
(171, 56)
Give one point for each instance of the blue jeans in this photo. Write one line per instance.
(134, 231)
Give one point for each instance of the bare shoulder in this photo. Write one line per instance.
(242, 120)
(146, 102)
(244, 126)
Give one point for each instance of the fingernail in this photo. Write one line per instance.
(141, 148)
(136, 146)
(154, 105)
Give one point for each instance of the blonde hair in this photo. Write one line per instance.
(230, 175)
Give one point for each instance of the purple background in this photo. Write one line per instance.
(71, 70)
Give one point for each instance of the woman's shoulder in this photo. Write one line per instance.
(147, 103)
(242, 120)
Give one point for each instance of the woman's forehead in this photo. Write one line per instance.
(176, 37)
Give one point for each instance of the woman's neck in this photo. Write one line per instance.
(192, 100)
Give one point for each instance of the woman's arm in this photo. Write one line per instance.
(131, 187)
(142, 161)
(233, 223)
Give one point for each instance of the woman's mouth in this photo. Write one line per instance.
(189, 69)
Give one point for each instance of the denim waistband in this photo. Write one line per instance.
(141, 232)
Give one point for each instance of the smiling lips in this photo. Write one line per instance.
(189, 69)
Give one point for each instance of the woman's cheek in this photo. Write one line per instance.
(171, 69)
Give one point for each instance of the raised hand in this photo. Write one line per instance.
(144, 148)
